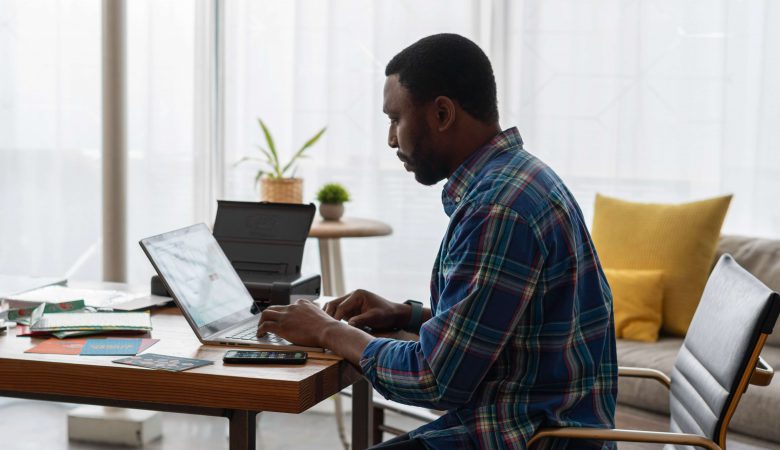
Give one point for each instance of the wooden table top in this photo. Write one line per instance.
(281, 388)
(348, 227)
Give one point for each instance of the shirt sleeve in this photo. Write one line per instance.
(489, 275)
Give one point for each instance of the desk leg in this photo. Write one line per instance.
(332, 269)
(362, 415)
(333, 285)
(243, 429)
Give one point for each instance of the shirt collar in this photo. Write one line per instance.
(460, 181)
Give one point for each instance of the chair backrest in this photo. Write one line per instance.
(720, 350)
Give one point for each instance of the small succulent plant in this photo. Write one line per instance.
(333, 193)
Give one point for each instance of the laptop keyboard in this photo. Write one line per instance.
(250, 334)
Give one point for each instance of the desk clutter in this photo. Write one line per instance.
(41, 313)
(93, 347)
(73, 318)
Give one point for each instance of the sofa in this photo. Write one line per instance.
(758, 413)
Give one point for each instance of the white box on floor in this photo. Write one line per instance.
(118, 426)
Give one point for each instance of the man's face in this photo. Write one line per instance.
(411, 134)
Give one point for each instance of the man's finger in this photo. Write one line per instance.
(330, 307)
(347, 308)
(267, 327)
(270, 314)
(367, 319)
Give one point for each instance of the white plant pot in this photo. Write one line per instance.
(331, 211)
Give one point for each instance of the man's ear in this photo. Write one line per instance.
(446, 112)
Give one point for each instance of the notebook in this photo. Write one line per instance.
(92, 321)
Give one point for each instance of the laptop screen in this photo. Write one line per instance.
(199, 275)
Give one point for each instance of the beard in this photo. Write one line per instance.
(426, 168)
(427, 176)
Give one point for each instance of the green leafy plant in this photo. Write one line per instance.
(333, 193)
(272, 165)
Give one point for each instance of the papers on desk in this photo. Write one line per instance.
(23, 315)
(58, 294)
(92, 321)
(114, 346)
(70, 319)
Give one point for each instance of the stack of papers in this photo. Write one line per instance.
(70, 319)
(92, 321)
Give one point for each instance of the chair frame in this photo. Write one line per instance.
(757, 372)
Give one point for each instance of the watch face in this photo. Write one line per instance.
(416, 317)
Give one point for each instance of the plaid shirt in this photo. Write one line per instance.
(522, 333)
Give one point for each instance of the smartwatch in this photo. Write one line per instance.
(415, 322)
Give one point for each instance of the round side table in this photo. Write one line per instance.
(329, 234)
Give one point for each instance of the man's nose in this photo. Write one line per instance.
(392, 141)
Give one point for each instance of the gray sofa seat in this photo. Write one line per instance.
(758, 413)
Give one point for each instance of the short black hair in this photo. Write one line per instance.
(452, 66)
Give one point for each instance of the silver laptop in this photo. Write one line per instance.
(208, 290)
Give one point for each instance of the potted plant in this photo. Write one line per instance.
(332, 197)
(275, 184)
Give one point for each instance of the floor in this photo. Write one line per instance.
(34, 425)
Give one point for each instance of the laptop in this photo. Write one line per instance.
(207, 289)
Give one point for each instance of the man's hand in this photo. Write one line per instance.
(366, 309)
(302, 323)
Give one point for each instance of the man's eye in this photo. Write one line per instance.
(393, 121)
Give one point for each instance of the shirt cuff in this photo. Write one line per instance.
(370, 357)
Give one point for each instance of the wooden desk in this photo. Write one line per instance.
(235, 392)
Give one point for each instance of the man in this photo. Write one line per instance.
(519, 335)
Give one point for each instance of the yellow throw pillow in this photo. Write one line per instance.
(637, 297)
(678, 240)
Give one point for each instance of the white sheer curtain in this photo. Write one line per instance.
(50, 137)
(162, 158)
(306, 64)
(653, 101)
(50, 132)
(658, 100)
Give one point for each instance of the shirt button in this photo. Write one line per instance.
(457, 199)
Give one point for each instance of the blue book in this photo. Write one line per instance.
(111, 347)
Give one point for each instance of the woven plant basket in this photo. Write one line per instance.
(281, 190)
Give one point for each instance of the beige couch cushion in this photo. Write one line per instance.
(642, 393)
(758, 412)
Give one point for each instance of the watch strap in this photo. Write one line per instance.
(415, 322)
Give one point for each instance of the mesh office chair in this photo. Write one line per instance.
(719, 358)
